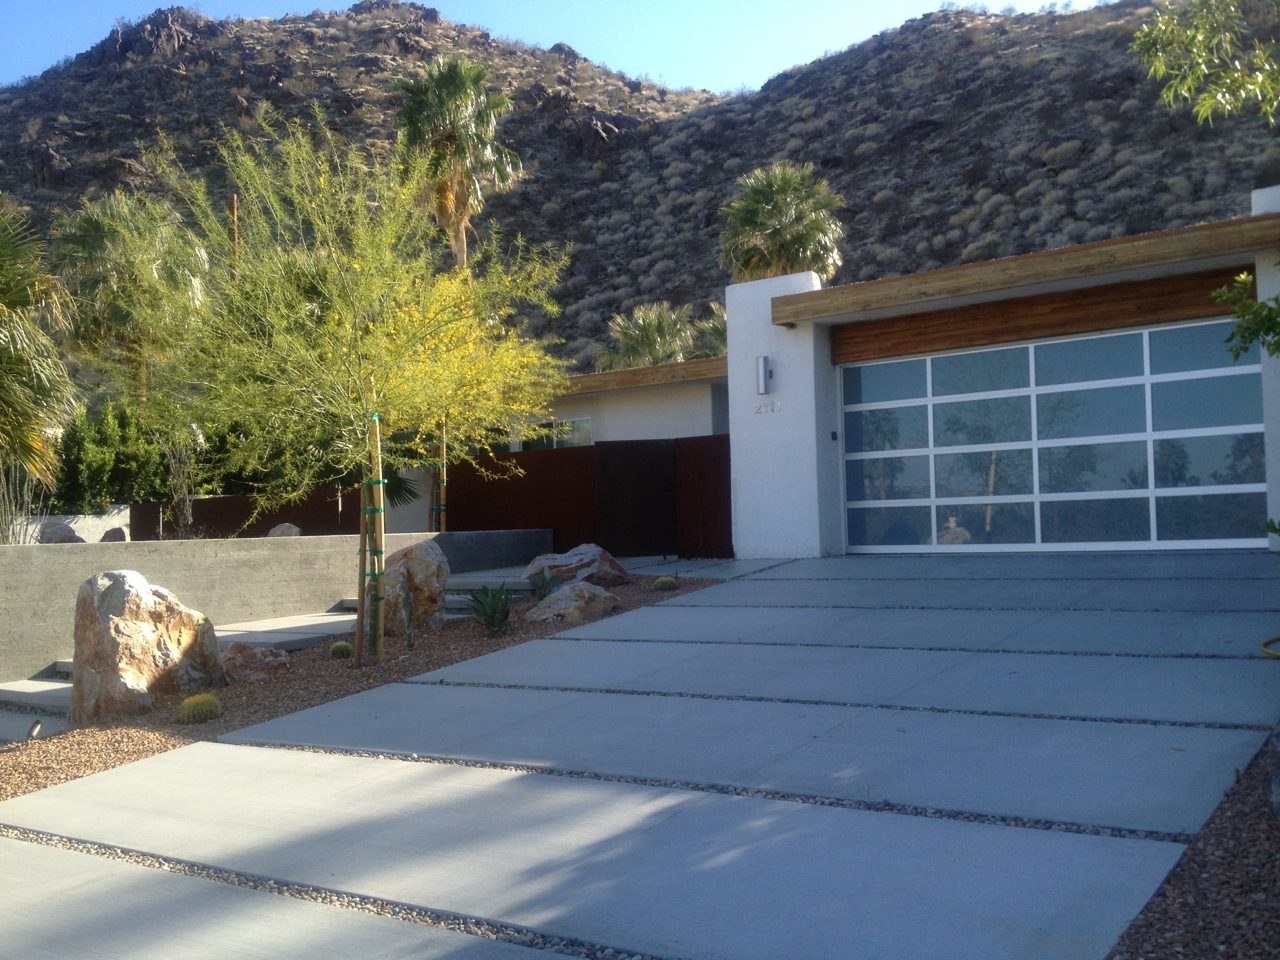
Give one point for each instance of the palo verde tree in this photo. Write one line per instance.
(328, 324)
(448, 128)
(782, 221)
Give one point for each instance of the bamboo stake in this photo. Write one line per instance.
(378, 553)
(444, 477)
(362, 580)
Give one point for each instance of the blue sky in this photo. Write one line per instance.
(717, 45)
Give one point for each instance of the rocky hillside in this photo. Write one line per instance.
(959, 136)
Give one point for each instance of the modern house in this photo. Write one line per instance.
(1081, 398)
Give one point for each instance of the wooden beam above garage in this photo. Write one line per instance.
(1212, 246)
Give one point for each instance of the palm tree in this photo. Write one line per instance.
(654, 333)
(449, 120)
(35, 391)
(782, 222)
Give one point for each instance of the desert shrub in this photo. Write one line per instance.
(665, 583)
(342, 650)
(492, 607)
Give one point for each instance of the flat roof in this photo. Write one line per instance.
(707, 370)
(1227, 243)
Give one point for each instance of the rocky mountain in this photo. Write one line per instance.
(959, 136)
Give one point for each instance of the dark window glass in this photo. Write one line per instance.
(1210, 461)
(1094, 466)
(1211, 402)
(1098, 358)
(1004, 369)
(888, 526)
(1233, 516)
(887, 478)
(1000, 473)
(880, 382)
(1001, 420)
(1095, 521)
(1201, 347)
(978, 523)
(897, 428)
(1091, 413)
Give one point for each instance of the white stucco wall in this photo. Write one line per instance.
(1267, 272)
(653, 413)
(784, 448)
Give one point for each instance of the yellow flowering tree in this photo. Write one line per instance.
(328, 325)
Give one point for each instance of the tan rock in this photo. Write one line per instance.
(573, 602)
(115, 535)
(586, 563)
(414, 588)
(132, 640)
(243, 663)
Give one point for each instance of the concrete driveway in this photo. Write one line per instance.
(994, 757)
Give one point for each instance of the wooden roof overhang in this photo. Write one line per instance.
(1128, 281)
(709, 370)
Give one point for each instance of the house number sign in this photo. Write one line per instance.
(769, 406)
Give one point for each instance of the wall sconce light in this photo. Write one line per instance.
(763, 375)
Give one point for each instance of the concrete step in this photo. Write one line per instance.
(63, 669)
(457, 591)
(51, 695)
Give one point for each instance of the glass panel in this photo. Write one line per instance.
(1091, 413)
(1201, 461)
(979, 523)
(1211, 402)
(1004, 369)
(887, 478)
(1228, 517)
(1097, 358)
(577, 433)
(888, 526)
(1095, 521)
(1094, 466)
(1000, 473)
(1003, 420)
(1201, 347)
(877, 382)
(898, 428)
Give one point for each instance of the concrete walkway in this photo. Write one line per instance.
(995, 757)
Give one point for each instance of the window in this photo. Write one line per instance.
(574, 432)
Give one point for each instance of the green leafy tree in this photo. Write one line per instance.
(449, 121)
(782, 221)
(659, 333)
(325, 322)
(36, 394)
(107, 457)
(1212, 53)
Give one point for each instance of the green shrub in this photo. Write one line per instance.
(341, 650)
(201, 708)
(664, 583)
(492, 606)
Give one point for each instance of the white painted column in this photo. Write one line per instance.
(1267, 272)
(785, 457)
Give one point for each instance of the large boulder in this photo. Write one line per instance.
(116, 535)
(585, 563)
(59, 531)
(285, 530)
(243, 663)
(574, 602)
(133, 640)
(414, 588)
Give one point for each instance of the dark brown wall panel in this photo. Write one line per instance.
(1093, 310)
(636, 497)
(705, 512)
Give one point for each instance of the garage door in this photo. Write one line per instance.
(1134, 440)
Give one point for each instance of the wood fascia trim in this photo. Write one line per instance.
(1182, 250)
(706, 370)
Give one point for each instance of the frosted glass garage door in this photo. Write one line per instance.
(1129, 440)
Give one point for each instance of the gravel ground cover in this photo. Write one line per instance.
(1219, 902)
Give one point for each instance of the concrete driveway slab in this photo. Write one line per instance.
(670, 873)
(1146, 632)
(1159, 778)
(113, 910)
(981, 630)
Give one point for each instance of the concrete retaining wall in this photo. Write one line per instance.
(228, 580)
